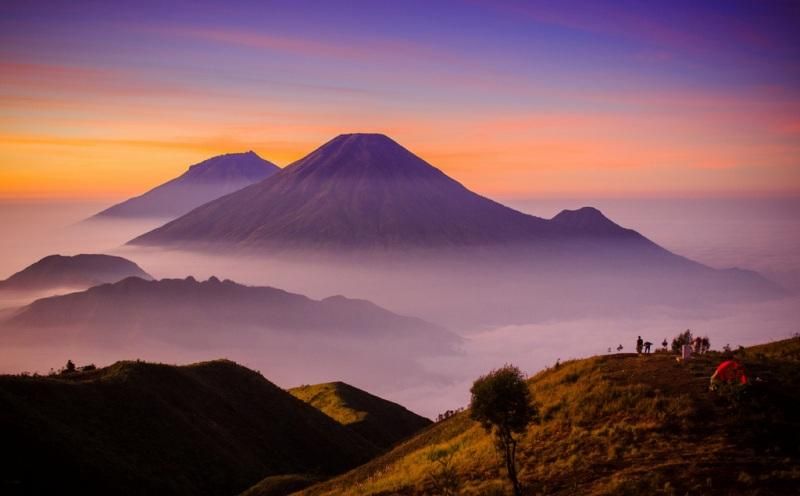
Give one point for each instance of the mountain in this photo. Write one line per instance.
(142, 428)
(78, 271)
(358, 191)
(618, 424)
(203, 182)
(377, 420)
(365, 210)
(296, 339)
(197, 312)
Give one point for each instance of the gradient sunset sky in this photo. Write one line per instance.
(530, 99)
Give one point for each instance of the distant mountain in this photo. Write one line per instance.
(203, 182)
(377, 420)
(181, 309)
(140, 428)
(359, 191)
(77, 272)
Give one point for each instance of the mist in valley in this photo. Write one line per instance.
(529, 318)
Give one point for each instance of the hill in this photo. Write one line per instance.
(77, 272)
(141, 428)
(360, 191)
(377, 420)
(620, 424)
(192, 312)
(203, 182)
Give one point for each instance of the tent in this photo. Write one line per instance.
(729, 371)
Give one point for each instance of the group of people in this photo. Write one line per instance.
(645, 346)
(642, 346)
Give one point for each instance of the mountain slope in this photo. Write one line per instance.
(379, 421)
(357, 190)
(139, 428)
(78, 271)
(620, 424)
(203, 182)
(182, 310)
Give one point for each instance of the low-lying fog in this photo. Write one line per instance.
(762, 235)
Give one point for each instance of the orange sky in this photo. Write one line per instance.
(576, 109)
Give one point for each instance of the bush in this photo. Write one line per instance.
(681, 339)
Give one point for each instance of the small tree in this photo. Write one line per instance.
(502, 403)
(681, 339)
(70, 367)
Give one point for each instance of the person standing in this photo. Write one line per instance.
(639, 344)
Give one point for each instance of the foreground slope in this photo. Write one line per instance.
(377, 420)
(203, 182)
(621, 424)
(139, 428)
(78, 271)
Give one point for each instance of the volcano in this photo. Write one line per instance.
(202, 183)
(362, 191)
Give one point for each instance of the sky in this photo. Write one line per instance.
(103, 100)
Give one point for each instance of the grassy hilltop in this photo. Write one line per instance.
(619, 424)
(140, 428)
(377, 420)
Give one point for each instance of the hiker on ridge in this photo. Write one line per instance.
(639, 344)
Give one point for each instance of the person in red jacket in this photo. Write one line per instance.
(729, 371)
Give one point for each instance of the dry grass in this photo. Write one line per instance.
(621, 424)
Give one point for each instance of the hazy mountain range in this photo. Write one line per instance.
(203, 313)
(202, 183)
(386, 214)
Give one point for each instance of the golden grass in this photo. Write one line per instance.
(620, 424)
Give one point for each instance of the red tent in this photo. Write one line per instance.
(730, 371)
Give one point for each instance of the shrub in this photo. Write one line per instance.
(681, 339)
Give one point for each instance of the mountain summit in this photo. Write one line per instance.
(203, 182)
(78, 271)
(357, 190)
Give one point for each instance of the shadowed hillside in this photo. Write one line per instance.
(620, 424)
(379, 421)
(211, 428)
